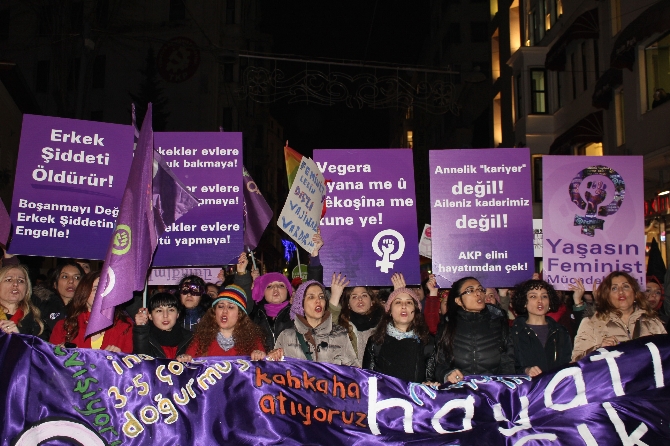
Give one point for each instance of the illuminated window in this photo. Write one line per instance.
(497, 121)
(592, 149)
(410, 139)
(514, 27)
(620, 120)
(657, 61)
(538, 91)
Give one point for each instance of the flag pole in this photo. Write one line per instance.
(297, 253)
(253, 259)
(144, 295)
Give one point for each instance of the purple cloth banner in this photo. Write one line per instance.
(257, 212)
(99, 398)
(482, 216)
(369, 229)
(210, 165)
(593, 218)
(70, 178)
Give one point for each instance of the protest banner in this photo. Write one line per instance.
(172, 276)
(537, 237)
(100, 398)
(370, 229)
(425, 243)
(482, 216)
(593, 221)
(300, 215)
(210, 165)
(70, 177)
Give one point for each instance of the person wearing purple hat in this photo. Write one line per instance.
(271, 294)
(314, 336)
(401, 345)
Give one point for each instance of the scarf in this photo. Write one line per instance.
(364, 322)
(272, 310)
(167, 338)
(400, 335)
(224, 342)
(16, 318)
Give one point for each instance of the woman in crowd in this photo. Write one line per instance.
(163, 337)
(64, 281)
(72, 329)
(476, 339)
(192, 289)
(17, 312)
(272, 292)
(359, 315)
(401, 345)
(226, 329)
(655, 297)
(313, 335)
(622, 314)
(540, 343)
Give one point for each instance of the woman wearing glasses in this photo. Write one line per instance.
(476, 339)
(191, 291)
(622, 314)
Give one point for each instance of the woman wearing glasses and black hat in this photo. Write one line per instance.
(193, 297)
(476, 340)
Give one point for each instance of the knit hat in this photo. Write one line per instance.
(234, 294)
(260, 284)
(299, 297)
(397, 293)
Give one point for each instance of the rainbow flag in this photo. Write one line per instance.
(292, 159)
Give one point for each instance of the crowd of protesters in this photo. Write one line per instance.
(419, 334)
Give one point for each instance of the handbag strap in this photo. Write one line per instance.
(303, 344)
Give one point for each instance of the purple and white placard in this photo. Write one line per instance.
(70, 178)
(370, 229)
(481, 215)
(210, 165)
(593, 218)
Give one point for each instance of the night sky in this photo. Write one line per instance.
(340, 30)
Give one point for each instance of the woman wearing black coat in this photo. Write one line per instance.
(476, 339)
(540, 343)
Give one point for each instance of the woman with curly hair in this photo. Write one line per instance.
(622, 313)
(540, 343)
(476, 339)
(17, 312)
(72, 329)
(226, 330)
(401, 345)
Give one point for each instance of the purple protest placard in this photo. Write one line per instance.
(210, 165)
(369, 229)
(70, 177)
(593, 220)
(482, 216)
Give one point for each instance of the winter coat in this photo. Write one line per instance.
(482, 345)
(283, 319)
(28, 325)
(358, 338)
(119, 334)
(529, 352)
(332, 343)
(409, 359)
(593, 330)
(144, 342)
(52, 311)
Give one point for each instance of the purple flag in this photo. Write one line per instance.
(257, 212)
(6, 223)
(153, 199)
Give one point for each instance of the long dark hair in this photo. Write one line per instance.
(246, 334)
(446, 342)
(59, 269)
(345, 315)
(78, 306)
(603, 305)
(418, 325)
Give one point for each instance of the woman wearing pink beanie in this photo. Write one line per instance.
(401, 345)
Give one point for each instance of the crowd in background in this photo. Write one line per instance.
(420, 334)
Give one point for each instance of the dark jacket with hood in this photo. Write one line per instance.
(482, 345)
(529, 352)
